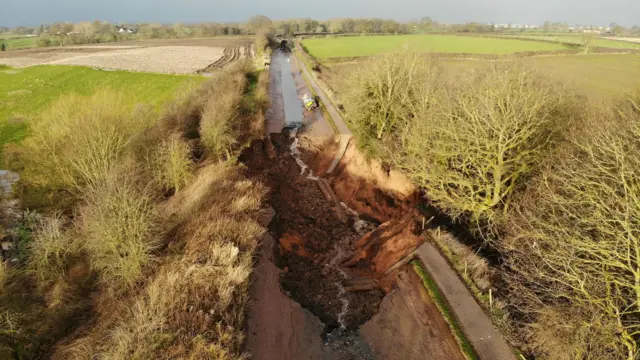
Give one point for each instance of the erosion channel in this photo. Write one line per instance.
(321, 288)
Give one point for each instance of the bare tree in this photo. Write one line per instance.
(382, 94)
(61, 30)
(576, 241)
(472, 147)
(86, 29)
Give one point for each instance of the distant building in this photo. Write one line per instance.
(126, 30)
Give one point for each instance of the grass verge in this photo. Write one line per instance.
(442, 305)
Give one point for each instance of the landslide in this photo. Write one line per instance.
(311, 240)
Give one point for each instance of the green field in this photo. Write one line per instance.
(25, 92)
(354, 46)
(19, 43)
(579, 40)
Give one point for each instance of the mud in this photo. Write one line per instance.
(365, 185)
(409, 325)
(308, 231)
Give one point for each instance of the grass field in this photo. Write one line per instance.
(25, 92)
(19, 43)
(372, 45)
(599, 76)
(578, 39)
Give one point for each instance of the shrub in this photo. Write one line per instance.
(384, 93)
(118, 224)
(173, 162)
(218, 130)
(78, 140)
(193, 306)
(43, 42)
(48, 250)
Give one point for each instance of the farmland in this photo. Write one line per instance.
(19, 43)
(597, 76)
(168, 57)
(25, 92)
(579, 40)
(372, 45)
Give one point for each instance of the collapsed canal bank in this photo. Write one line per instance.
(322, 275)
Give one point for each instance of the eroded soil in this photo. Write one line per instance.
(309, 238)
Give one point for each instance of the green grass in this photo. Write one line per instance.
(442, 305)
(578, 39)
(20, 43)
(25, 92)
(354, 46)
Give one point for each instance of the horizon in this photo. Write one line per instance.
(622, 12)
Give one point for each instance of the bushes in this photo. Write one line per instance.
(469, 145)
(193, 306)
(49, 249)
(119, 228)
(79, 139)
(386, 93)
(128, 176)
(217, 125)
(173, 164)
(555, 180)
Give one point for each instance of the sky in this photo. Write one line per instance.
(592, 12)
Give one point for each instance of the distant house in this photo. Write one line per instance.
(126, 30)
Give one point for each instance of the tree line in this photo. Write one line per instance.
(86, 32)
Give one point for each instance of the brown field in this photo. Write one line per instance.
(172, 56)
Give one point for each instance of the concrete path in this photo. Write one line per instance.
(482, 334)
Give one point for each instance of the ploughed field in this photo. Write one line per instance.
(174, 56)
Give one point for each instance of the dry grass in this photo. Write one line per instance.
(217, 124)
(117, 162)
(3, 275)
(467, 262)
(193, 307)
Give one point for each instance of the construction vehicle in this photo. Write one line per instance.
(309, 102)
